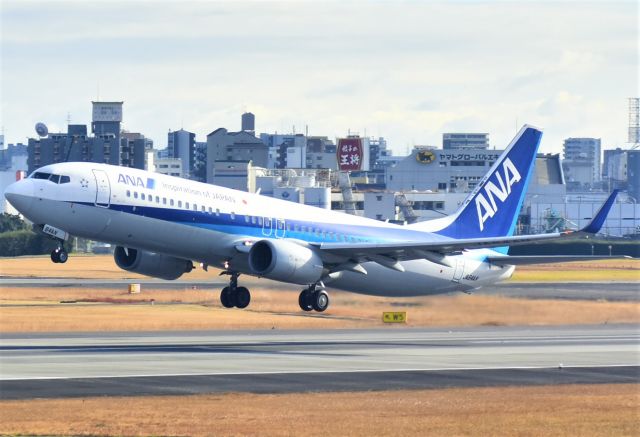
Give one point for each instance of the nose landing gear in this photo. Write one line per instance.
(59, 255)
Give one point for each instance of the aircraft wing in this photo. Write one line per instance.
(389, 254)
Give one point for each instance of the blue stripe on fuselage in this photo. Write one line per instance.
(223, 222)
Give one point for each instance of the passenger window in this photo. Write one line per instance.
(142, 196)
(260, 221)
(210, 210)
(186, 205)
(203, 209)
(246, 218)
(217, 211)
(233, 216)
(179, 203)
(65, 179)
(171, 202)
(135, 194)
(157, 199)
(164, 200)
(195, 207)
(128, 193)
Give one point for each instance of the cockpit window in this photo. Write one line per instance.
(55, 178)
(40, 175)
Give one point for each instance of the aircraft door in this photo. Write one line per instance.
(267, 224)
(103, 188)
(459, 269)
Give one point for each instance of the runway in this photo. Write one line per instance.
(93, 364)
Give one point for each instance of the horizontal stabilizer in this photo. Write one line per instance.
(546, 259)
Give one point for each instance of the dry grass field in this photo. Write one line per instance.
(86, 309)
(586, 410)
(38, 310)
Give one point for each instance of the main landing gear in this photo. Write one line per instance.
(312, 299)
(59, 255)
(234, 296)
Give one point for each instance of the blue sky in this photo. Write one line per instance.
(405, 70)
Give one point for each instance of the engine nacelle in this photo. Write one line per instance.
(285, 261)
(151, 264)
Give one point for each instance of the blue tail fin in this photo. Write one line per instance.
(492, 209)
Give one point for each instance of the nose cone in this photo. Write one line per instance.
(20, 194)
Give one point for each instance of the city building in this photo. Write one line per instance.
(182, 144)
(582, 163)
(321, 153)
(229, 147)
(633, 174)
(199, 171)
(286, 151)
(133, 147)
(458, 141)
(14, 156)
(614, 169)
(451, 170)
(107, 145)
(13, 167)
(168, 166)
(377, 152)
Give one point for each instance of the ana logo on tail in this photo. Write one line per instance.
(486, 205)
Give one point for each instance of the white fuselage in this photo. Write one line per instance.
(205, 223)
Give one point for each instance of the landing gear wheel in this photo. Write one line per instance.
(63, 256)
(243, 297)
(320, 301)
(59, 255)
(227, 298)
(304, 300)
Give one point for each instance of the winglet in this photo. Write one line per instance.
(598, 220)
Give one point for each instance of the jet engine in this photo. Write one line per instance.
(285, 261)
(151, 264)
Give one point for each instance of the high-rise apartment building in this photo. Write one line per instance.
(582, 163)
(182, 144)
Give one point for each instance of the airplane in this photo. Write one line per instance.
(161, 224)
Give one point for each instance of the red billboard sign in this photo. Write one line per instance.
(349, 154)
